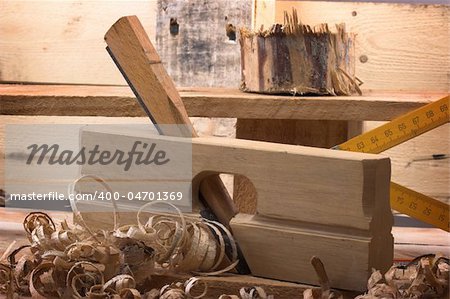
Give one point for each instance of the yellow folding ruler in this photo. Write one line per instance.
(401, 129)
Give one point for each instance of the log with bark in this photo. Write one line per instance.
(297, 59)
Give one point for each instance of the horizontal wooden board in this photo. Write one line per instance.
(66, 100)
(411, 242)
(403, 47)
(406, 45)
(62, 41)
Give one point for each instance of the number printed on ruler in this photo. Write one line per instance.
(420, 206)
(401, 129)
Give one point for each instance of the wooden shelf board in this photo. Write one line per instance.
(95, 100)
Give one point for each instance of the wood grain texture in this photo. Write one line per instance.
(84, 100)
(69, 34)
(295, 59)
(316, 133)
(231, 284)
(430, 177)
(345, 271)
(201, 53)
(411, 242)
(420, 240)
(297, 209)
(398, 46)
(263, 13)
(61, 41)
(140, 64)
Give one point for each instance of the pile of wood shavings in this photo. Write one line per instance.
(74, 262)
(424, 277)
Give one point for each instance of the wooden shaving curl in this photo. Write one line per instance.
(42, 282)
(7, 285)
(81, 279)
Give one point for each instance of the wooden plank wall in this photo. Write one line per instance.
(62, 41)
(399, 46)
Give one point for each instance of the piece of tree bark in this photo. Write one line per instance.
(296, 59)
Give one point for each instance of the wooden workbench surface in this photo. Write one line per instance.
(92, 100)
